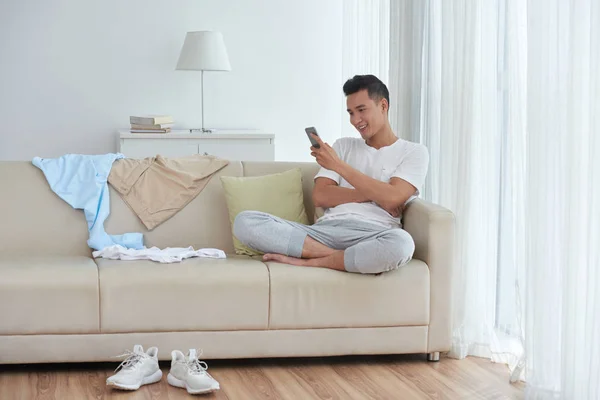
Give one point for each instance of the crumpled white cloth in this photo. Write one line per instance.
(167, 255)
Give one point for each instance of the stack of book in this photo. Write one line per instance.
(151, 123)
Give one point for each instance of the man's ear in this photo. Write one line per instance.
(384, 104)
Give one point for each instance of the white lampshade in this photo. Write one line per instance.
(203, 51)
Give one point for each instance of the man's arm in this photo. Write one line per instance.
(327, 193)
(389, 196)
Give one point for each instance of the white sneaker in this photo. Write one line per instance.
(190, 373)
(139, 368)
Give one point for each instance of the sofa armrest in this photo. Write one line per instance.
(432, 228)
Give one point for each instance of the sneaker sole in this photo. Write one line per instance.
(181, 384)
(155, 377)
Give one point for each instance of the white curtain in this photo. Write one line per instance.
(366, 44)
(459, 105)
(562, 209)
(405, 69)
(506, 95)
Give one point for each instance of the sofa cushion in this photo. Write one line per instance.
(34, 218)
(48, 295)
(277, 194)
(305, 297)
(198, 294)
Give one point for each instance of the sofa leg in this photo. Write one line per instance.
(435, 356)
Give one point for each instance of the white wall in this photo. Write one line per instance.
(72, 71)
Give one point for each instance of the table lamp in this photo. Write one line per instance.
(203, 51)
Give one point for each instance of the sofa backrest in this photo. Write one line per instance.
(34, 220)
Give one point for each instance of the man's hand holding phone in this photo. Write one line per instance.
(324, 154)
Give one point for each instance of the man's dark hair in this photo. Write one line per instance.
(376, 89)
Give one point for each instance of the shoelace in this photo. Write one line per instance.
(196, 366)
(132, 359)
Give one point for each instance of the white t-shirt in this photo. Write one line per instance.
(402, 159)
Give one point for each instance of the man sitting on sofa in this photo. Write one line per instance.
(363, 186)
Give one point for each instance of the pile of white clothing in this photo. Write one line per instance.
(167, 255)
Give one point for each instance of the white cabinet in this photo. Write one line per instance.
(229, 145)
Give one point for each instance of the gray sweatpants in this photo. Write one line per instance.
(368, 248)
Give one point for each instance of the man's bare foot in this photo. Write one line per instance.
(314, 249)
(332, 261)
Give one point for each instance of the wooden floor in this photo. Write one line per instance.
(381, 377)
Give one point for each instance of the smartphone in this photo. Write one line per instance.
(313, 141)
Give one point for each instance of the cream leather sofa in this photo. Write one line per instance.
(58, 304)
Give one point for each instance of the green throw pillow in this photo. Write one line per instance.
(277, 194)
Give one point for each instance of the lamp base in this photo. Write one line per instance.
(203, 130)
